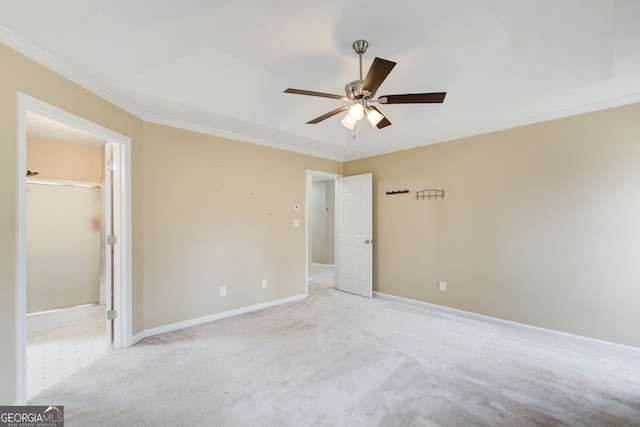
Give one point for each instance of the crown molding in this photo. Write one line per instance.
(509, 124)
(207, 130)
(33, 52)
(40, 56)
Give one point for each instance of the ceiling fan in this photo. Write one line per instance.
(361, 93)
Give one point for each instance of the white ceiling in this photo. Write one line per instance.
(39, 127)
(220, 66)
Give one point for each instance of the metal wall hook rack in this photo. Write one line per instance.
(430, 194)
(397, 192)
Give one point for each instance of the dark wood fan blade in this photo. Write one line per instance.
(311, 93)
(329, 114)
(413, 98)
(379, 71)
(384, 122)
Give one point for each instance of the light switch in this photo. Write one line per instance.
(296, 222)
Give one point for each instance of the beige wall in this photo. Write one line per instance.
(539, 224)
(220, 213)
(64, 161)
(207, 212)
(21, 74)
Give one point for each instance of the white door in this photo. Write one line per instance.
(355, 239)
(107, 292)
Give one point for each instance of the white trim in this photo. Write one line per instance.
(65, 316)
(208, 130)
(213, 317)
(35, 53)
(21, 253)
(65, 183)
(25, 104)
(123, 325)
(107, 259)
(496, 127)
(31, 51)
(607, 345)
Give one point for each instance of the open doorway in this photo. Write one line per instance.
(64, 306)
(352, 220)
(321, 227)
(66, 204)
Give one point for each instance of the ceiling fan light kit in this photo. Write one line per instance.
(348, 122)
(360, 93)
(356, 111)
(374, 116)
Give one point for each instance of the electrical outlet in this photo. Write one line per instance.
(442, 286)
(296, 222)
(264, 283)
(223, 291)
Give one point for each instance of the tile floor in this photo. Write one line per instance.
(56, 353)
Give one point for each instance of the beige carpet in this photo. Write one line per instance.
(337, 359)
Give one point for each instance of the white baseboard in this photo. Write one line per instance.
(205, 319)
(607, 345)
(67, 316)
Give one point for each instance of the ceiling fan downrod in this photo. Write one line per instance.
(354, 89)
(363, 91)
(360, 46)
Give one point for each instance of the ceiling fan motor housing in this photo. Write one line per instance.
(354, 90)
(362, 92)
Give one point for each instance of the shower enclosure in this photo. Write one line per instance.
(64, 260)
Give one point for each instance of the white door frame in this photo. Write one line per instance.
(309, 174)
(122, 225)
